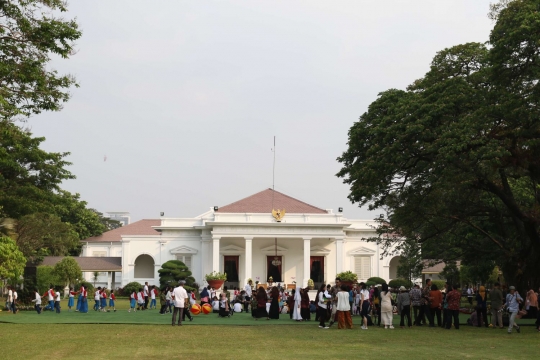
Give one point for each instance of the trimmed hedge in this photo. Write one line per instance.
(397, 283)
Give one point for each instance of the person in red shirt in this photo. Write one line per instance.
(453, 299)
(112, 299)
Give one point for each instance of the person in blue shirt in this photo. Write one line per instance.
(513, 299)
(351, 299)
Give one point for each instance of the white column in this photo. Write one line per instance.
(339, 255)
(109, 275)
(215, 253)
(249, 262)
(206, 253)
(307, 253)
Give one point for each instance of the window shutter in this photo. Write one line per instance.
(99, 253)
(187, 261)
(362, 267)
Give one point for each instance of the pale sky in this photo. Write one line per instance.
(184, 97)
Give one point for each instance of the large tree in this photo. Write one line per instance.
(31, 31)
(456, 157)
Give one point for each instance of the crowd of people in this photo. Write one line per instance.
(419, 306)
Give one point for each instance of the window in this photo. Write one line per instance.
(362, 267)
(186, 259)
(99, 253)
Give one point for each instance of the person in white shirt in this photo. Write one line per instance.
(153, 297)
(146, 295)
(37, 300)
(9, 298)
(57, 302)
(322, 307)
(247, 289)
(14, 302)
(50, 295)
(168, 298)
(97, 299)
(237, 307)
(215, 305)
(179, 296)
(343, 308)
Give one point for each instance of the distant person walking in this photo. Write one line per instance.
(496, 297)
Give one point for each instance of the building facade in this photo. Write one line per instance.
(245, 240)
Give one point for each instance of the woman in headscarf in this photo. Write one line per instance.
(297, 305)
(262, 298)
(386, 307)
(304, 307)
(274, 305)
(531, 304)
(481, 307)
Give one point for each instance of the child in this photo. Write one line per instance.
(168, 297)
(140, 299)
(71, 300)
(57, 302)
(37, 300)
(133, 301)
(187, 307)
(153, 293)
(224, 306)
(50, 295)
(103, 298)
(215, 305)
(97, 299)
(112, 299)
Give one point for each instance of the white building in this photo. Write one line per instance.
(242, 239)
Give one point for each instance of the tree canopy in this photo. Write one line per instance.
(12, 260)
(68, 271)
(455, 157)
(173, 271)
(31, 31)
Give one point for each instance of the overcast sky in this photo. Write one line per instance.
(184, 97)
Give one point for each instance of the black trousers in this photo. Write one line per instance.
(416, 312)
(425, 310)
(321, 313)
(481, 314)
(146, 302)
(186, 313)
(453, 314)
(246, 303)
(176, 311)
(436, 312)
(405, 313)
(163, 309)
(445, 317)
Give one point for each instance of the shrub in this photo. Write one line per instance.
(347, 276)
(376, 280)
(131, 287)
(397, 283)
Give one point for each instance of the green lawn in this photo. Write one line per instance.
(124, 335)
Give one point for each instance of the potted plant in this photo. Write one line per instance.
(347, 277)
(310, 284)
(216, 279)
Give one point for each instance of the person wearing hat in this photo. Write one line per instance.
(513, 299)
(404, 306)
(179, 297)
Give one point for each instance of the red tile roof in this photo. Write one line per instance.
(141, 227)
(89, 263)
(261, 202)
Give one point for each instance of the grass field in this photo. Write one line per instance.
(147, 334)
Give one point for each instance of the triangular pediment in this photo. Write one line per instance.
(184, 250)
(231, 250)
(272, 249)
(319, 250)
(362, 250)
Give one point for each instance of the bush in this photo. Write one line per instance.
(376, 280)
(370, 283)
(397, 283)
(347, 276)
(131, 287)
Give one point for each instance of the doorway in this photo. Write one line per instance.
(273, 270)
(230, 267)
(316, 270)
